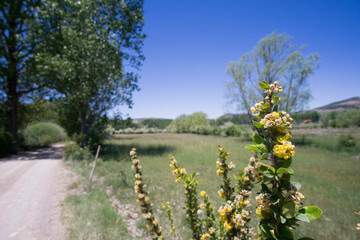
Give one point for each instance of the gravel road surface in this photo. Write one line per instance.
(32, 186)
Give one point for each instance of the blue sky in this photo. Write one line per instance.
(190, 43)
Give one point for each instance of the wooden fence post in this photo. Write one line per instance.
(93, 168)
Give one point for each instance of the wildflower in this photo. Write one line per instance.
(221, 193)
(203, 193)
(358, 227)
(284, 150)
(205, 236)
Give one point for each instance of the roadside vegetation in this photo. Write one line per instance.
(326, 178)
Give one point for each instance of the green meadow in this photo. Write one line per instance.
(330, 180)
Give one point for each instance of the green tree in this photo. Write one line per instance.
(23, 33)
(274, 58)
(188, 123)
(101, 42)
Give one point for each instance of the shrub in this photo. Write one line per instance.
(43, 134)
(72, 151)
(347, 141)
(234, 131)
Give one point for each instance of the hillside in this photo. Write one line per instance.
(347, 104)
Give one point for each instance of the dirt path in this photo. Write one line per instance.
(32, 185)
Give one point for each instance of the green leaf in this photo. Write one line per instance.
(264, 85)
(257, 124)
(285, 233)
(282, 219)
(275, 109)
(253, 147)
(312, 212)
(257, 139)
(302, 217)
(264, 156)
(276, 99)
(267, 166)
(285, 170)
(290, 209)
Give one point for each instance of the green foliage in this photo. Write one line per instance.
(234, 131)
(155, 123)
(43, 134)
(348, 118)
(72, 151)
(117, 123)
(188, 123)
(279, 204)
(347, 141)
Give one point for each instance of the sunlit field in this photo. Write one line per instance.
(329, 179)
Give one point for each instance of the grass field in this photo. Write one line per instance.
(329, 179)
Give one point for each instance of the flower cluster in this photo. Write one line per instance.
(284, 150)
(144, 199)
(262, 204)
(168, 210)
(178, 171)
(278, 120)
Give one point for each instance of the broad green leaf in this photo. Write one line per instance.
(253, 147)
(282, 219)
(257, 124)
(290, 209)
(267, 166)
(285, 170)
(257, 139)
(302, 217)
(285, 233)
(312, 212)
(264, 85)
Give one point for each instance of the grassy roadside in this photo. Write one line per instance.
(329, 179)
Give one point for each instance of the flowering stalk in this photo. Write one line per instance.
(225, 191)
(144, 199)
(209, 220)
(191, 205)
(168, 210)
(279, 205)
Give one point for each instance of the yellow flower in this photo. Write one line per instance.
(203, 193)
(205, 236)
(172, 165)
(182, 171)
(177, 179)
(221, 193)
(228, 226)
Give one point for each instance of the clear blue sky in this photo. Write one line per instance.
(190, 43)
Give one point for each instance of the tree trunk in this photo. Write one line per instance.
(12, 115)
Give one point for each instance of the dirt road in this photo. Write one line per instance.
(32, 185)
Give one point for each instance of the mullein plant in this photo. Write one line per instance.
(144, 199)
(279, 203)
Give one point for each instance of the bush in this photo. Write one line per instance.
(347, 141)
(43, 134)
(72, 151)
(6, 143)
(234, 131)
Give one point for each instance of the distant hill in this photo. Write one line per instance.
(347, 104)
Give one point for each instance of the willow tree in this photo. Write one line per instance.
(96, 68)
(274, 58)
